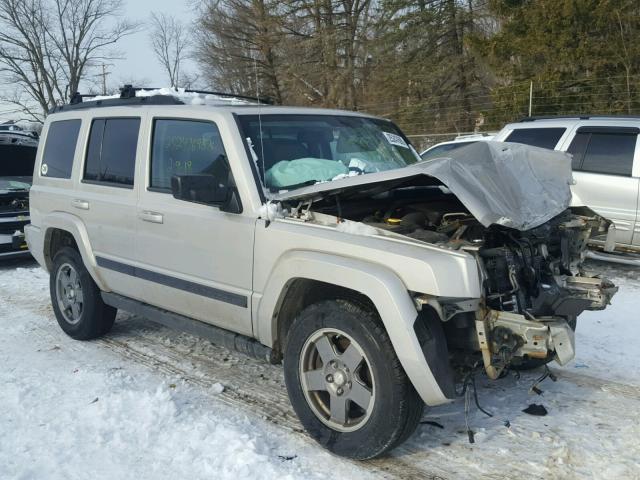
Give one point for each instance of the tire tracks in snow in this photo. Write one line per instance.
(250, 385)
(257, 387)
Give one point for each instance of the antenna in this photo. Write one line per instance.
(264, 174)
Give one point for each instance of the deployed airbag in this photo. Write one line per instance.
(297, 172)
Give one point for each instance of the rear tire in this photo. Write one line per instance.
(76, 298)
(376, 407)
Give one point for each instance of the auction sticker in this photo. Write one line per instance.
(394, 139)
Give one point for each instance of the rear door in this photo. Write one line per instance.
(605, 180)
(195, 259)
(106, 197)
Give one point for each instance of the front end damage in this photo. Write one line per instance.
(508, 206)
(535, 287)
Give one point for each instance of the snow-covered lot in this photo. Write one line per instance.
(146, 402)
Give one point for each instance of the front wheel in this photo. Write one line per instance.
(345, 381)
(76, 299)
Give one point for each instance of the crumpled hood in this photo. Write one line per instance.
(509, 184)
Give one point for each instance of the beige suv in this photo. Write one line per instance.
(316, 237)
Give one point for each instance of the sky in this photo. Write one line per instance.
(138, 61)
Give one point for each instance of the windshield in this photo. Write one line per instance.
(300, 150)
(17, 160)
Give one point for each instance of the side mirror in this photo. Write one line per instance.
(201, 188)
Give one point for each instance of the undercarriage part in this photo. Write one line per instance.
(504, 336)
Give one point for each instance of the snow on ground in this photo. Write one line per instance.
(73, 410)
(146, 402)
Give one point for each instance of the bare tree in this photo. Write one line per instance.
(46, 47)
(170, 41)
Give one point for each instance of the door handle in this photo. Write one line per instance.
(153, 217)
(81, 204)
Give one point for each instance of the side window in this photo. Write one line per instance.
(610, 153)
(537, 137)
(182, 147)
(111, 154)
(60, 148)
(577, 148)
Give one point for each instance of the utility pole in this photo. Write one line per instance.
(530, 97)
(104, 79)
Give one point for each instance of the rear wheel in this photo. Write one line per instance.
(76, 299)
(345, 381)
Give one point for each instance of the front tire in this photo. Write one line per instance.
(76, 299)
(345, 381)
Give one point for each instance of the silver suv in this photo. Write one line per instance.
(606, 164)
(316, 237)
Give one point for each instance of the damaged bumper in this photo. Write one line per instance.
(507, 337)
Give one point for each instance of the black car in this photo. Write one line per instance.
(17, 156)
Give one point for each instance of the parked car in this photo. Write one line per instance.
(17, 156)
(440, 149)
(606, 164)
(316, 237)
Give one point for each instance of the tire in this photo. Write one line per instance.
(533, 363)
(352, 331)
(76, 299)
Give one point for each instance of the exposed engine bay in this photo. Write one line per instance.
(533, 280)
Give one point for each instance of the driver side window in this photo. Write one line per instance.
(185, 147)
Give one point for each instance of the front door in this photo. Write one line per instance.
(195, 259)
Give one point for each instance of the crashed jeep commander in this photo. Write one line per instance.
(317, 237)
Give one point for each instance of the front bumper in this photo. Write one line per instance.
(511, 335)
(13, 245)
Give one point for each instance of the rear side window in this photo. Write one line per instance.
(182, 147)
(537, 137)
(59, 149)
(601, 151)
(111, 154)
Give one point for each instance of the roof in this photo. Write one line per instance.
(580, 117)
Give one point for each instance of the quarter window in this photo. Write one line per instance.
(537, 137)
(111, 154)
(60, 148)
(185, 147)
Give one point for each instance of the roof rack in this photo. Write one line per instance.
(128, 97)
(579, 117)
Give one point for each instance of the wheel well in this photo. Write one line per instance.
(55, 239)
(299, 293)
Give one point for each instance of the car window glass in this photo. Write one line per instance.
(577, 148)
(536, 137)
(59, 149)
(441, 149)
(610, 153)
(111, 154)
(183, 147)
